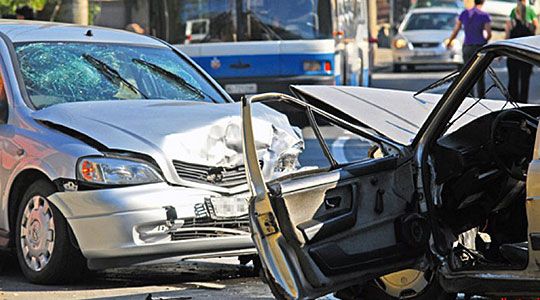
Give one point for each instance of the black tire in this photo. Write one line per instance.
(373, 291)
(65, 263)
(396, 68)
(410, 68)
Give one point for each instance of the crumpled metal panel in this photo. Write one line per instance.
(397, 115)
(203, 134)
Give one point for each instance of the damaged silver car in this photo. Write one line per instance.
(434, 194)
(117, 149)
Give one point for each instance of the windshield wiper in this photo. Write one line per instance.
(159, 70)
(448, 78)
(111, 74)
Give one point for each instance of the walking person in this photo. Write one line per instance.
(522, 23)
(474, 22)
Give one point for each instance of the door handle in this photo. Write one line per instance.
(379, 202)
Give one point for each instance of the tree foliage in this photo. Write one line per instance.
(8, 7)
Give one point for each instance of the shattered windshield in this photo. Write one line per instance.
(56, 72)
(431, 21)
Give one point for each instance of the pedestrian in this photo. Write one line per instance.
(522, 23)
(475, 22)
(24, 13)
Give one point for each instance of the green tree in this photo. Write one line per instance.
(8, 7)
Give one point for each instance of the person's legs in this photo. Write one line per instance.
(525, 77)
(468, 53)
(513, 78)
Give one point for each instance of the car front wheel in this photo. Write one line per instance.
(45, 251)
(406, 284)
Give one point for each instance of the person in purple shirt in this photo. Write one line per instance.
(474, 22)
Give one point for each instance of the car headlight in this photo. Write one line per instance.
(454, 44)
(400, 43)
(106, 170)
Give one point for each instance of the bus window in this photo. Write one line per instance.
(286, 20)
(207, 21)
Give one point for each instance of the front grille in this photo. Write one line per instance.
(241, 223)
(198, 234)
(426, 45)
(224, 177)
(208, 228)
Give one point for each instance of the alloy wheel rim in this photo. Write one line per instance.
(37, 233)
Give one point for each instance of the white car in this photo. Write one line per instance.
(117, 149)
(422, 38)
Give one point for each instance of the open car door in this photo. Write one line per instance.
(320, 230)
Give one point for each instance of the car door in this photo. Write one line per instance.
(533, 205)
(324, 229)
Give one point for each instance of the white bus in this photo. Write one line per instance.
(254, 46)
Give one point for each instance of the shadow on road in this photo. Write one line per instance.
(183, 273)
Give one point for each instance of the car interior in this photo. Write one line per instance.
(479, 182)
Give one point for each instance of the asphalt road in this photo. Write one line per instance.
(424, 75)
(203, 279)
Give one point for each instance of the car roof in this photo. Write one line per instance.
(20, 31)
(529, 43)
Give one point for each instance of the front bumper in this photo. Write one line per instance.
(122, 226)
(426, 56)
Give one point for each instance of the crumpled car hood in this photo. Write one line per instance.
(396, 115)
(196, 133)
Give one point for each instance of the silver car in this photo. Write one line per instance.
(117, 149)
(423, 36)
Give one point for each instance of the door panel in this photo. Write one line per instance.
(345, 225)
(533, 205)
(324, 230)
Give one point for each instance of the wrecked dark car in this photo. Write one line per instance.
(117, 149)
(434, 195)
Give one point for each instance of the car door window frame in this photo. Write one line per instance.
(390, 147)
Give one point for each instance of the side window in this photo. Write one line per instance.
(310, 154)
(344, 145)
(301, 149)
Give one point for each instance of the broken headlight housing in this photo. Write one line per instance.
(116, 171)
(288, 161)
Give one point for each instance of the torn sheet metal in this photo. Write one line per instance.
(200, 134)
(397, 115)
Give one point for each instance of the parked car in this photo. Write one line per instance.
(117, 149)
(444, 201)
(422, 37)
